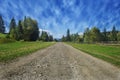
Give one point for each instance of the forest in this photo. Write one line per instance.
(93, 35)
(26, 30)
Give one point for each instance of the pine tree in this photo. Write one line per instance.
(44, 36)
(68, 35)
(86, 35)
(95, 35)
(13, 32)
(20, 30)
(12, 25)
(118, 36)
(50, 38)
(105, 37)
(114, 34)
(2, 27)
(63, 38)
(30, 29)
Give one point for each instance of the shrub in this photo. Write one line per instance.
(5, 40)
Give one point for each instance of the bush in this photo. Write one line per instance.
(5, 40)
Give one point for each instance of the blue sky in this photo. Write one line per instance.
(56, 16)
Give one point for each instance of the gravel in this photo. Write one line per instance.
(58, 62)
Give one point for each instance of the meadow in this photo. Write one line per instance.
(2, 35)
(10, 51)
(109, 53)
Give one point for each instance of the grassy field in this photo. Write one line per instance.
(109, 53)
(2, 35)
(13, 50)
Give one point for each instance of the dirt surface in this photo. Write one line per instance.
(58, 62)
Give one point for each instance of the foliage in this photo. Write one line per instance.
(63, 38)
(45, 37)
(95, 35)
(2, 27)
(75, 37)
(68, 38)
(31, 30)
(50, 38)
(2, 35)
(113, 35)
(86, 36)
(118, 36)
(6, 40)
(12, 32)
(105, 37)
(92, 35)
(26, 30)
(20, 30)
(71, 37)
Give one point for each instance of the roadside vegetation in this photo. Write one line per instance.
(94, 35)
(25, 30)
(109, 53)
(13, 50)
(2, 35)
(22, 39)
(101, 44)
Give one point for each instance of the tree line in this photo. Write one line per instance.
(93, 35)
(26, 30)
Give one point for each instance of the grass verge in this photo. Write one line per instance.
(108, 53)
(13, 50)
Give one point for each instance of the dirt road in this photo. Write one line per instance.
(58, 62)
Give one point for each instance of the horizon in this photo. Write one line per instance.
(59, 15)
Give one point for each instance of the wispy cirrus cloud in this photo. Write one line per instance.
(59, 15)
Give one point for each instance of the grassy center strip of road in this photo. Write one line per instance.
(10, 51)
(109, 53)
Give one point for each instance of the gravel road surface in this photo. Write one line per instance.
(58, 62)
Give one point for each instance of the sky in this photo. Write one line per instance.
(56, 16)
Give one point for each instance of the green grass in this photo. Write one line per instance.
(2, 35)
(13, 50)
(108, 53)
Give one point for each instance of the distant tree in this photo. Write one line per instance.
(44, 36)
(12, 25)
(72, 36)
(68, 35)
(13, 32)
(50, 38)
(35, 31)
(55, 40)
(2, 27)
(25, 22)
(30, 29)
(105, 37)
(118, 36)
(87, 35)
(95, 35)
(113, 35)
(63, 38)
(20, 30)
(75, 37)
